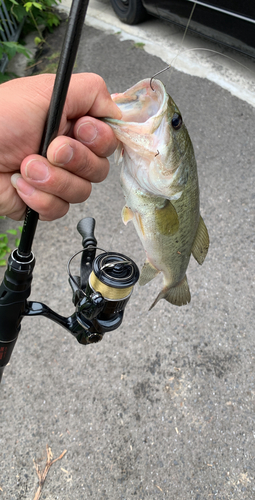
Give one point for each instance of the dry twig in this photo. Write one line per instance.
(42, 475)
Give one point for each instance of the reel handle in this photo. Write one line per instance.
(86, 228)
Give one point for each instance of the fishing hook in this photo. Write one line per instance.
(178, 53)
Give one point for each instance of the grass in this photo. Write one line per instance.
(139, 45)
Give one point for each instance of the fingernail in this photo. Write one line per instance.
(21, 185)
(87, 132)
(37, 170)
(63, 155)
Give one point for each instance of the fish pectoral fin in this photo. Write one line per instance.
(127, 214)
(178, 295)
(201, 243)
(148, 272)
(166, 218)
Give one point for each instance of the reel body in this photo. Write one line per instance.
(103, 289)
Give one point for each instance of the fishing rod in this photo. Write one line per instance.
(102, 290)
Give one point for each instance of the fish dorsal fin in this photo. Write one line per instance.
(127, 214)
(148, 272)
(201, 243)
(178, 295)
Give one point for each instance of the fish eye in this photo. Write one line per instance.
(176, 121)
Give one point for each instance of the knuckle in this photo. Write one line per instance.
(83, 194)
(98, 81)
(53, 211)
(87, 166)
(74, 189)
(64, 188)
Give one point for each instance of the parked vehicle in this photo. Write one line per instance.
(231, 23)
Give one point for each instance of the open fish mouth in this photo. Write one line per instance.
(141, 103)
(144, 111)
(146, 138)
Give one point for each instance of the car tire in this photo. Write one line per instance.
(129, 11)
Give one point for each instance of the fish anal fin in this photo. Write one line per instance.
(127, 214)
(201, 243)
(178, 295)
(148, 272)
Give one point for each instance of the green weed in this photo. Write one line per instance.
(7, 242)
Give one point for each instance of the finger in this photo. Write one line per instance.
(88, 94)
(96, 135)
(73, 158)
(48, 206)
(41, 175)
(11, 204)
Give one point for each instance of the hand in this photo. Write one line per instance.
(75, 159)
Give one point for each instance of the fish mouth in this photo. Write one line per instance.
(141, 102)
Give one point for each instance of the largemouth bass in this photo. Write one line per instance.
(160, 184)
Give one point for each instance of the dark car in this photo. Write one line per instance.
(231, 22)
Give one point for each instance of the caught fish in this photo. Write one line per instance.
(160, 184)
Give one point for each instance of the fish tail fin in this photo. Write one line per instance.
(201, 243)
(178, 295)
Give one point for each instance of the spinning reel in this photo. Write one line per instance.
(100, 294)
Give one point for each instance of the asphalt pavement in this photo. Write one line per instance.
(164, 406)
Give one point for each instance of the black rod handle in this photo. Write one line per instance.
(64, 72)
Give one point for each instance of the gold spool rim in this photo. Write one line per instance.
(108, 292)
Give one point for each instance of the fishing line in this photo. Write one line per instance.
(73, 256)
(178, 53)
(218, 53)
(196, 49)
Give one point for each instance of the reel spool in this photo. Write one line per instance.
(114, 276)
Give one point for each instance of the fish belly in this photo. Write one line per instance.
(167, 229)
